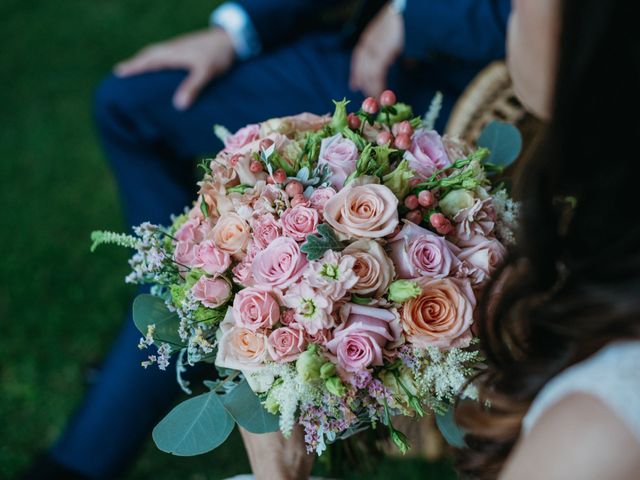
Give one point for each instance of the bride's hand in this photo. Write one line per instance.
(273, 456)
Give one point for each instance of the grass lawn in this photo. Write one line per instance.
(59, 305)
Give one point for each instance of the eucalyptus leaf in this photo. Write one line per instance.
(196, 426)
(450, 430)
(148, 310)
(503, 140)
(317, 245)
(245, 407)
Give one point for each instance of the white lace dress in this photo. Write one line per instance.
(612, 375)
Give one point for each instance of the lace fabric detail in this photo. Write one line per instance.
(612, 375)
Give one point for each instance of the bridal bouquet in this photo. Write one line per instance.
(329, 269)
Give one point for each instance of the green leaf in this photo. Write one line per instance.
(503, 140)
(149, 309)
(450, 430)
(245, 407)
(316, 245)
(196, 426)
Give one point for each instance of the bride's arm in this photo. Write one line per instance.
(274, 457)
(579, 437)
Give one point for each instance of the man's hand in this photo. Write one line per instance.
(377, 49)
(204, 54)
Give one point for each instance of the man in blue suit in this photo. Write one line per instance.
(258, 59)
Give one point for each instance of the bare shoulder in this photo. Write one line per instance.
(578, 437)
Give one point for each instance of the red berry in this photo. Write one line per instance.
(388, 98)
(384, 138)
(403, 142)
(294, 188)
(404, 127)
(370, 105)
(279, 176)
(255, 166)
(426, 199)
(233, 161)
(265, 143)
(414, 216)
(411, 202)
(354, 121)
(440, 223)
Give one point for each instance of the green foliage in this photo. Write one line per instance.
(246, 409)
(151, 310)
(100, 237)
(316, 245)
(339, 118)
(503, 141)
(196, 426)
(449, 429)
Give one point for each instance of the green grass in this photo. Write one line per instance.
(59, 305)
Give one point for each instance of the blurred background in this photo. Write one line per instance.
(60, 305)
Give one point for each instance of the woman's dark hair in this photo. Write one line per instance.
(573, 281)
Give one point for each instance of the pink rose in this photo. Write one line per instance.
(374, 269)
(190, 231)
(417, 252)
(340, 155)
(185, 253)
(368, 211)
(483, 255)
(265, 230)
(427, 153)
(299, 221)
(212, 292)
(442, 315)
(211, 259)
(321, 337)
(231, 233)
(255, 309)
(242, 272)
(242, 137)
(286, 344)
(320, 197)
(278, 265)
(360, 341)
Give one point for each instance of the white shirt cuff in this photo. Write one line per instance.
(235, 20)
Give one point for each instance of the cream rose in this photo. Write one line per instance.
(231, 233)
(373, 267)
(367, 211)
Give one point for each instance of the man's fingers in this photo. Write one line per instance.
(190, 87)
(146, 61)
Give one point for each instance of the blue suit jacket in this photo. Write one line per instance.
(473, 31)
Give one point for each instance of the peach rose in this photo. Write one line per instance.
(367, 211)
(442, 315)
(242, 349)
(231, 233)
(373, 267)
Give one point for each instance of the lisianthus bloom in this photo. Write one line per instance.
(299, 221)
(255, 309)
(242, 137)
(418, 252)
(427, 153)
(482, 256)
(365, 211)
(265, 229)
(340, 155)
(333, 274)
(372, 266)
(279, 265)
(477, 219)
(311, 306)
(441, 315)
(212, 292)
(320, 197)
(285, 344)
(360, 340)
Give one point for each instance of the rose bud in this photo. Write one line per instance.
(354, 121)
(279, 176)
(255, 166)
(294, 188)
(440, 223)
(384, 138)
(388, 98)
(426, 199)
(265, 143)
(403, 142)
(414, 216)
(404, 127)
(370, 105)
(411, 202)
